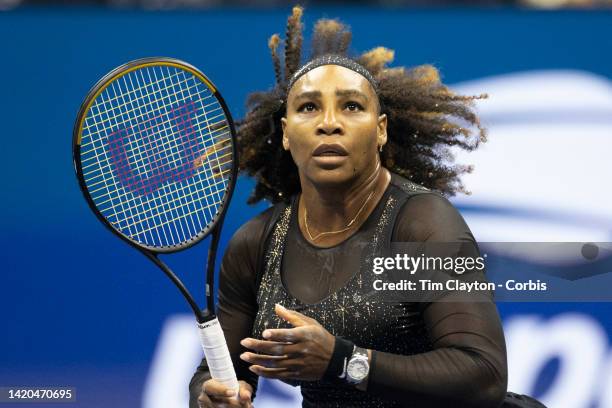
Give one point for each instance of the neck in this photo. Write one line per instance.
(332, 208)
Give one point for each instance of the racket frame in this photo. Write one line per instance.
(213, 227)
(97, 89)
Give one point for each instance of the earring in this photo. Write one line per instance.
(380, 148)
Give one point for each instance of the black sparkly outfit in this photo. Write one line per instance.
(426, 354)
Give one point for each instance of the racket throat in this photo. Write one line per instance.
(177, 282)
(205, 316)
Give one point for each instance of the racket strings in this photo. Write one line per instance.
(170, 215)
(167, 235)
(161, 151)
(110, 101)
(160, 190)
(195, 196)
(176, 214)
(214, 127)
(107, 170)
(121, 215)
(139, 118)
(104, 111)
(208, 214)
(183, 216)
(92, 168)
(140, 88)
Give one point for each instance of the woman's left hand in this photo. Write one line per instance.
(300, 353)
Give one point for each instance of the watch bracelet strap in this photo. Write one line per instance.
(358, 353)
(346, 362)
(343, 349)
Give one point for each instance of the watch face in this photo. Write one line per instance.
(357, 369)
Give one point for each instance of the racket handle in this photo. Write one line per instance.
(217, 354)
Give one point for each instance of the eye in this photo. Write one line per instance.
(353, 106)
(307, 107)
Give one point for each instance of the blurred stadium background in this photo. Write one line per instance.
(80, 308)
(180, 4)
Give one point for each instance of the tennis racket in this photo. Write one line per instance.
(155, 157)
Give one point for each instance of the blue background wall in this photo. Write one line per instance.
(78, 307)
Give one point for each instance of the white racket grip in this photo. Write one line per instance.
(217, 354)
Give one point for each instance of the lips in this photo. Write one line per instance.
(330, 150)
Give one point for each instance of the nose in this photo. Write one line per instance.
(329, 124)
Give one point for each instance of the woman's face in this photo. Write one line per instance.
(333, 127)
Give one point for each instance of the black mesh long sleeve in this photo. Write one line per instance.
(467, 366)
(237, 303)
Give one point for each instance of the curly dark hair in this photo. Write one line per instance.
(425, 119)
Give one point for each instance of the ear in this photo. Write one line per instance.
(381, 136)
(285, 138)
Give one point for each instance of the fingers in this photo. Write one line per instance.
(284, 335)
(204, 401)
(262, 359)
(291, 316)
(217, 395)
(214, 388)
(245, 394)
(268, 361)
(274, 372)
(272, 348)
(291, 364)
(294, 335)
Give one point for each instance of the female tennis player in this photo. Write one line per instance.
(355, 155)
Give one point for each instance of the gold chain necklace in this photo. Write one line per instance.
(348, 226)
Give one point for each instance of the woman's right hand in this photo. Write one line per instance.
(217, 395)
